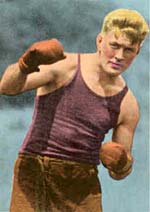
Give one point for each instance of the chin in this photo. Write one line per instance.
(113, 72)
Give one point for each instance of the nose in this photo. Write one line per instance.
(119, 56)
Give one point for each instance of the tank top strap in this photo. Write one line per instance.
(79, 59)
(123, 92)
(79, 63)
(79, 75)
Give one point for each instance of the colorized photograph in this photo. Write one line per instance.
(74, 106)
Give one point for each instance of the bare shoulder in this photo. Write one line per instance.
(58, 74)
(129, 111)
(66, 64)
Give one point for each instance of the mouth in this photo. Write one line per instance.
(115, 65)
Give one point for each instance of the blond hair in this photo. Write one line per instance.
(128, 22)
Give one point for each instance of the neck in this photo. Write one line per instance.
(102, 76)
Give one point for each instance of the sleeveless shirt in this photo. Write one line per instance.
(71, 122)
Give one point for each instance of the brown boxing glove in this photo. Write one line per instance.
(40, 53)
(125, 171)
(113, 156)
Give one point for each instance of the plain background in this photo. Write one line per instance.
(75, 23)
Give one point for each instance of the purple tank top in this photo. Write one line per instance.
(71, 122)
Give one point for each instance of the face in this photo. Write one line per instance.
(116, 54)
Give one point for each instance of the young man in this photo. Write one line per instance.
(79, 98)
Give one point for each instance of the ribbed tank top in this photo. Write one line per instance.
(71, 122)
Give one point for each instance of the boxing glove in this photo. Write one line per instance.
(113, 156)
(40, 53)
(125, 171)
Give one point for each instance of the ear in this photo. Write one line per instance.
(139, 47)
(98, 41)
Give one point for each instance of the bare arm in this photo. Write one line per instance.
(12, 80)
(124, 131)
(127, 122)
(55, 75)
(23, 75)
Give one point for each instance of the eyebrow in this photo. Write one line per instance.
(122, 45)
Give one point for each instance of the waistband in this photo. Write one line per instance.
(54, 160)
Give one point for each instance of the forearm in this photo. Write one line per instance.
(12, 80)
(40, 53)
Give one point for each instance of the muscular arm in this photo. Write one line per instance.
(124, 131)
(129, 115)
(14, 81)
(23, 75)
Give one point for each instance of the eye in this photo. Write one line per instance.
(129, 50)
(114, 45)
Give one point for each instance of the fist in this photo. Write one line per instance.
(43, 52)
(113, 156)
